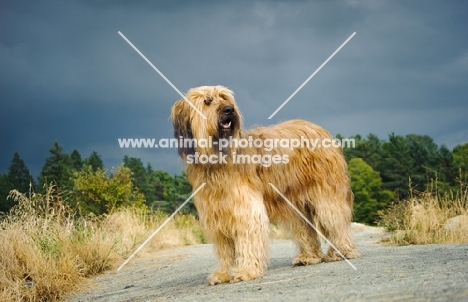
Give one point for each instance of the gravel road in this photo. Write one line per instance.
(384, 273)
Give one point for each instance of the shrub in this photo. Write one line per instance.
(428, 217)
(95, 192)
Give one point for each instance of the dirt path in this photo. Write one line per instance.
(412, 273)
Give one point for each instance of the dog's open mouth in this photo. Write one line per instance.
(225, 123)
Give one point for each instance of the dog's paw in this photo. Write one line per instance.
(245, 275)
(333, 255)
(218, 278)
(302, 260)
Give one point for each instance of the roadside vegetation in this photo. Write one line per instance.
(47, 250)
(429, 217)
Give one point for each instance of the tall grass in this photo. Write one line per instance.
(428, 218)
(46, 250)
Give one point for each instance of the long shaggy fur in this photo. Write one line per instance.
(237, 204)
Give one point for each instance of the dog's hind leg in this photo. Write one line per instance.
(335, 220)
(307, 241)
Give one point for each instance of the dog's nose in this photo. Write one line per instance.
(228, 110)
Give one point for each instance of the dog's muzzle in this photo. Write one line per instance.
(227, 118)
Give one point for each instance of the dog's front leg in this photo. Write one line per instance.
(251, 238)
(224, 248)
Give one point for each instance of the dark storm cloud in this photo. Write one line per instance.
(66, 75)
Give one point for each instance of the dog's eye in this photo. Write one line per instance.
(208, 102)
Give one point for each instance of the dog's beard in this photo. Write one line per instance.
(228, 125)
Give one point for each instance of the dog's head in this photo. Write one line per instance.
(217, 104)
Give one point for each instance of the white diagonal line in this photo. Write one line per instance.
(162, 75)
(160, 227)
(310, 223)
(312, 75)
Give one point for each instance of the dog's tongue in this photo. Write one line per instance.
(227, 125)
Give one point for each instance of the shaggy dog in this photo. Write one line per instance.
(238, 203)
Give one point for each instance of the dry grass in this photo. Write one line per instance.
(46, 251)
(428, 218)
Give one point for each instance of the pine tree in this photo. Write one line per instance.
(5, 187)
(460, 158)
(161, 190)
(183, 190)
(139, 175)
(95, 161)
(77, 162)
(157, 188)
(57, 168)
(423, 154)
(149, 168)
(18, 175)
(153, 191)
(396, 165)
(446, 170)
(369, 149)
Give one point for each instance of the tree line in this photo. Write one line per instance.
(385, 171)
(381, 171)
(86, 184)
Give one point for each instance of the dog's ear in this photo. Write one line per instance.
(180, 116)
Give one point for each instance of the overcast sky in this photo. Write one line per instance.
(67, 76)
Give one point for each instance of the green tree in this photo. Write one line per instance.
(369, 149)
(77, 162)
(149, 168)
(350, 153)
(57, 168)
(18, 175)
(95, 161)
(423, 154)
(154, 189)
(369, 196)
(96, 192)
(460, 158)
(183, 190)
(5, 187)
(139, 174)
(446, 170)
(396, 165)
(161, 190)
